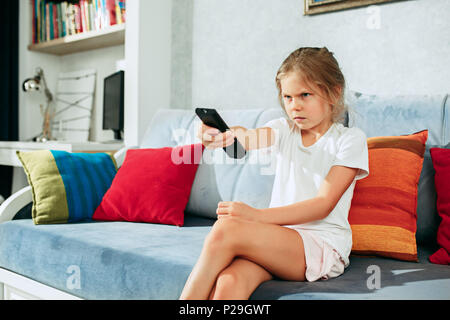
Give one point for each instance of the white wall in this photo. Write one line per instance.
(104, 61)
(147, 54)
(238, 45)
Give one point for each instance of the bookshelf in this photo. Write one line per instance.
(88, 40)
(63, 27)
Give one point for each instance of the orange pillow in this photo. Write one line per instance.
(383, 213)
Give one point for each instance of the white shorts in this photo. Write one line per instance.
(322, 260)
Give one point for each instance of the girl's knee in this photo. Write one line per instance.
(229, 285)
(223, 233)
(227, 223)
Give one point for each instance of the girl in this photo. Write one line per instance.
(304, 234)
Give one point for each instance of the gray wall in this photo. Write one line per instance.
(225, 53)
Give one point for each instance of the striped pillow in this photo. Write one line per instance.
(66, 187)
(383, 214)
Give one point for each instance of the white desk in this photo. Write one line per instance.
(8, 149)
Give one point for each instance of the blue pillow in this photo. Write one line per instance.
(67, 187)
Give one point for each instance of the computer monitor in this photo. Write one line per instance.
(113, 103)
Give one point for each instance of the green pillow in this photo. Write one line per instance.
(66, 187)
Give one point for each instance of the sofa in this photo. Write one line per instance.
(129, 260)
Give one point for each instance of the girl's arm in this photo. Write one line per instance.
(335, 184)
(251, 139)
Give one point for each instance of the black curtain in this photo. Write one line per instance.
(9, 83)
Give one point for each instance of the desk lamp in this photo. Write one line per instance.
(38, 83)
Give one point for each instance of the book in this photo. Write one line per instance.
(78, 25)
(111, 12)
(43, 21)
(34, 24)
(92, 16)
(87, 15)
(104, 13)
(82, 16)
(64, 18)
(71, 19)
(53, 19)
(60, 31)
(118, 13)
(47, 21)
(122, 5)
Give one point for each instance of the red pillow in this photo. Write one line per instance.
(153, 185)
(441, 163)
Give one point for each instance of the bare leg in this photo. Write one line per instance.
(277, 249)
(239, 280)
(213, 291)
(213, 259)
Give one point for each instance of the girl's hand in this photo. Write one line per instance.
(212, 138)
(227, 209)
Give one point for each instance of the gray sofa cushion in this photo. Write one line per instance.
(105, 260)
(391, 115)
(124, 260)
(397, 280)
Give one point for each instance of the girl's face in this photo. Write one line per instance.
(308, 111)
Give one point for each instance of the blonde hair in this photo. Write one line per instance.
(321, 71)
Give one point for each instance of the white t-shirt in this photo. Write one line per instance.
(300, 171)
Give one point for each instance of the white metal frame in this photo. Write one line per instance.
(14, 286)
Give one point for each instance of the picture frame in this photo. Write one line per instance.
(312, 7)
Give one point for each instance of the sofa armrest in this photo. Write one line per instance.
(13, 204)
(120, 155)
